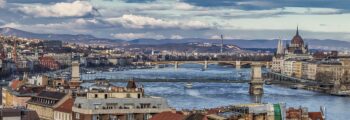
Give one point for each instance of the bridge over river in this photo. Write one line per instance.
(205, 63)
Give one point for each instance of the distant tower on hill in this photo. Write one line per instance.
(222, 44)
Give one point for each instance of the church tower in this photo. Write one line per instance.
(280, 48)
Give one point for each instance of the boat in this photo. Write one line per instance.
(202, 69)
(268, 82)
(298, 86)
(341, 93)
(91, 72)
(188, 85)
(294, 87)
(111, 69)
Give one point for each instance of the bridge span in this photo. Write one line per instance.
(205, 63)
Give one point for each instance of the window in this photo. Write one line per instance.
(77, 116)
(128, 95)
(145, 105)
(139, 95)
(130, 116)
(96, 95)
(106, 96)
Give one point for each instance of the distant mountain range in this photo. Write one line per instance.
(63, 37)
(256, 43)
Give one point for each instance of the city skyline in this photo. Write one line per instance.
(164, 19)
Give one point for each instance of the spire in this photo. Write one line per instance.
(297, 29)
(280, 47)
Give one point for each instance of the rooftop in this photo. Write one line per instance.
(168, 115)
(66, 106)
(84, 103)
(51, 95)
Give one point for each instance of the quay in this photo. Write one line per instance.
(297, 83)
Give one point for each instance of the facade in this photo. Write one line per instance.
(49, 63)
(17, 114)
(46, 102)
(103, 101)
(311, 71)
(40, 80)
(18, 94)
(13, 99)
(52, 44)
(329, 72)
(277, 64)
(287, 68)
(64, 59)
(297, 69)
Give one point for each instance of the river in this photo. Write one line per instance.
(209, 95)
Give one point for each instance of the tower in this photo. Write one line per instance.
(279, 47)
(222, 44)
(256, 84)
(75, 71)
(75, 81)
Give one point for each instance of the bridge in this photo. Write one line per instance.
(205, 63)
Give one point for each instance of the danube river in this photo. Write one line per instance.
(209, 95)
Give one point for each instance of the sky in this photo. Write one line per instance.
(178, 19)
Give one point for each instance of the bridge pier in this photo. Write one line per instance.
(256, 84)
(205, 65)
(176, 64)
(238, 64)
(268, 65)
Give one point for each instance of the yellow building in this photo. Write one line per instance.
(329, 72)
(19, 97)
(311, 71)
(297, 69)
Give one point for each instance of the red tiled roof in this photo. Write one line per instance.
(196, 116)
(315, 116)
(15, 84)
(66, 106)
(168, 116)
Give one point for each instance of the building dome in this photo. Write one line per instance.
(297, 39)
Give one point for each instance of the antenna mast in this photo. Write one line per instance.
(222, 43)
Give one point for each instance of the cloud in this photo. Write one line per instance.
(255, 3)
(176, 37)
(215, 37)
(2, 3)
(72, 27)
(140, 22)
(62, 9)
(183, 6)
(132, 36)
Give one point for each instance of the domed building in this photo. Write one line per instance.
(295, 50)
(297, 45)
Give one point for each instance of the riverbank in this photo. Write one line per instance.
(297, 83)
